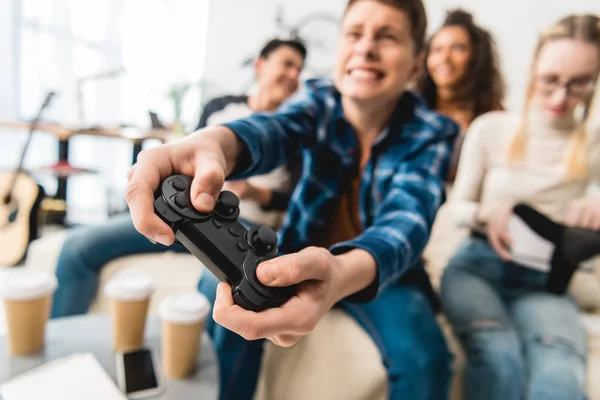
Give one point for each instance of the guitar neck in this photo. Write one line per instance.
(32, 128)
(19, 168)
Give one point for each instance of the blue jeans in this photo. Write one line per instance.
(521, 342)
(400, 322)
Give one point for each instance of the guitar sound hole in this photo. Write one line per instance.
(12, 208)
(13, 215)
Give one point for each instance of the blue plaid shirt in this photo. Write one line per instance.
(402, 185)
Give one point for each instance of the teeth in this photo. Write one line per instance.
(363, 73)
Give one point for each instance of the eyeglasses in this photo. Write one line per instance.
(577, 87)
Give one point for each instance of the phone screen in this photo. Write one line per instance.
(139, 371)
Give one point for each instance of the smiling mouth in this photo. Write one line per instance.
(557, 110)
(366, 74)
(445, 71)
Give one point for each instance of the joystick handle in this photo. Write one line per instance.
(227, 204)
(264, 239)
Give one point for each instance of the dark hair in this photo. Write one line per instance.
(415, 11)
(485, 86)
(274, 44)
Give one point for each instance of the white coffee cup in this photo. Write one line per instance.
(27, 298)
(183, 320)
(129, 293)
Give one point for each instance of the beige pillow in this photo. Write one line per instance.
(585, 288)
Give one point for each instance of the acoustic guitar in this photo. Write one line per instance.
(20, 200)
(19, 215)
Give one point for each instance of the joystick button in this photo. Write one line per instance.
(241, 247)
(179, 184)
(264, 239)
(227, 204)
(182, 200)
(234, 231)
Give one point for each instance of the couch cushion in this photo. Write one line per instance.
(338, 360)
(172, 272)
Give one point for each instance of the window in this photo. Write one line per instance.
(109, 62)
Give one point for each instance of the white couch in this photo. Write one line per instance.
(318, 367)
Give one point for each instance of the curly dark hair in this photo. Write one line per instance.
(485, 87)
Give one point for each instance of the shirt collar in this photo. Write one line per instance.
(404, 112)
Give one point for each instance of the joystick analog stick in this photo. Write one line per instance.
(227, 204)
(264, 239)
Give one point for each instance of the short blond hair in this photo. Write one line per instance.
(415, 11)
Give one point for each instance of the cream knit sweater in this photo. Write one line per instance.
(485, 180)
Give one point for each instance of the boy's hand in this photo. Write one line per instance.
(315, 270)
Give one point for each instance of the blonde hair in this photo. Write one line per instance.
(581, 27)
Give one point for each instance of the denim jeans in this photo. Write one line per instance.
(400, 321)
(521, 342)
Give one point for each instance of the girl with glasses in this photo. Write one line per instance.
(522, 340)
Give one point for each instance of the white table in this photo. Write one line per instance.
(92, 334)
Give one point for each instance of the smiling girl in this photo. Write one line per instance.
(462, 77)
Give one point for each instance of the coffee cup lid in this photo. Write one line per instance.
(24, 284)
(129, 286)
(184, 308)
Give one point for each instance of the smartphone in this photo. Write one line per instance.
(138, 373)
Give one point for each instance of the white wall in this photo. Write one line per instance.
(56, 42)
(8, 102)
(237, 28)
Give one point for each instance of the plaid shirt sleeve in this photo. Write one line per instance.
(402, 226)
(271, 139)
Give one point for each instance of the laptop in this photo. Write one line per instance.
(155, 121)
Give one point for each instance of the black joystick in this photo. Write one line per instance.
(230, 251)
(227, 204)
(264, 239)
